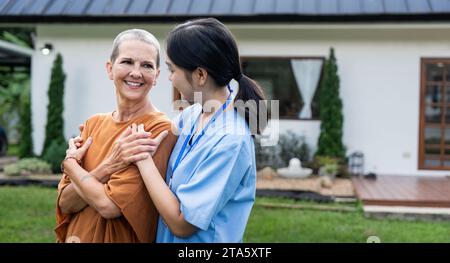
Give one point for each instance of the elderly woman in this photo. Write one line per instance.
(101, 197)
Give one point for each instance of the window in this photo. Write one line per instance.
(292, 81)
(434, 144)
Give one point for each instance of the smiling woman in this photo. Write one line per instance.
(101, 197)
(134, 71)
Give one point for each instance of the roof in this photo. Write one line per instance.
(228, 10)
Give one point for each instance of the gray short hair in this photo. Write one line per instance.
(135, 34)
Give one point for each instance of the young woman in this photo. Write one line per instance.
(101, 197)
(210, 181)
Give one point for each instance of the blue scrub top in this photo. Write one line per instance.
(216, 181)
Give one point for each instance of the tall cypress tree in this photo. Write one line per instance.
(330, 139)
(25, 127)
(55, 123)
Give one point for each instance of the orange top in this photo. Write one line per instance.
(126, 189)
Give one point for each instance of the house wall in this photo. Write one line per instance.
(379, 68)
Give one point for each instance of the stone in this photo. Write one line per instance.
(325, 182)
(267, 173)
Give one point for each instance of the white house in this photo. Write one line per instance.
(393, 58)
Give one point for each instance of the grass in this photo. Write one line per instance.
(27, 214)
(295, 225)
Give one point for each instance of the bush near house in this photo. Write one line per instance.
(55, 145)
(330, 139)
(293, 146)
(290, 145)
(267, 156)
(27, 166)
(55, 155)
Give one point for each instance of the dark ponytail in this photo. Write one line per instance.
(249, 92)
(207, 43)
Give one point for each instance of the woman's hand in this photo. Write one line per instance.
(75, 151)
(131, 147)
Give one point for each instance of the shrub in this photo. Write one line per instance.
(27, 166)
(55, 155)
(293, 146)
(326, 160)
(290, 145)
(331, 165)
(267, 156)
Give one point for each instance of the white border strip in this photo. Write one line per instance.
(406, 210)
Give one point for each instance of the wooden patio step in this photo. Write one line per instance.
(409, 191)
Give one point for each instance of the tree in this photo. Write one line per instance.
(15, 107)
(25, 127)
(55, 123)
(330, 139)
(15, 110)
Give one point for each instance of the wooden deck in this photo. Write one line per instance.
(414, 191)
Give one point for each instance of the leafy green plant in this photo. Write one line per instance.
(55, 108)
(15, 106)
(331, 169)
(20, 36)
(15, 101)
(27, 166)
(7, 36)
(326, 160)
(330, 165)
(12, 86)
(55, 155)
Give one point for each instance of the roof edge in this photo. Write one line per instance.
(381, 18)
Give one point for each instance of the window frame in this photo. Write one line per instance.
(177, 95)
(443, 124)
(246, 58)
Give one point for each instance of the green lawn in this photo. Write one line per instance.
(27, 215)
(294, 225)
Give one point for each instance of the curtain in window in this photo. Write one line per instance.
(307, 74)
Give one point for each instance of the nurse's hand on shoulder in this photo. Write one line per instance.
(133, 146)
(138, 130)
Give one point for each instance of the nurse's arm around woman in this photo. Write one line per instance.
(165, 201)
